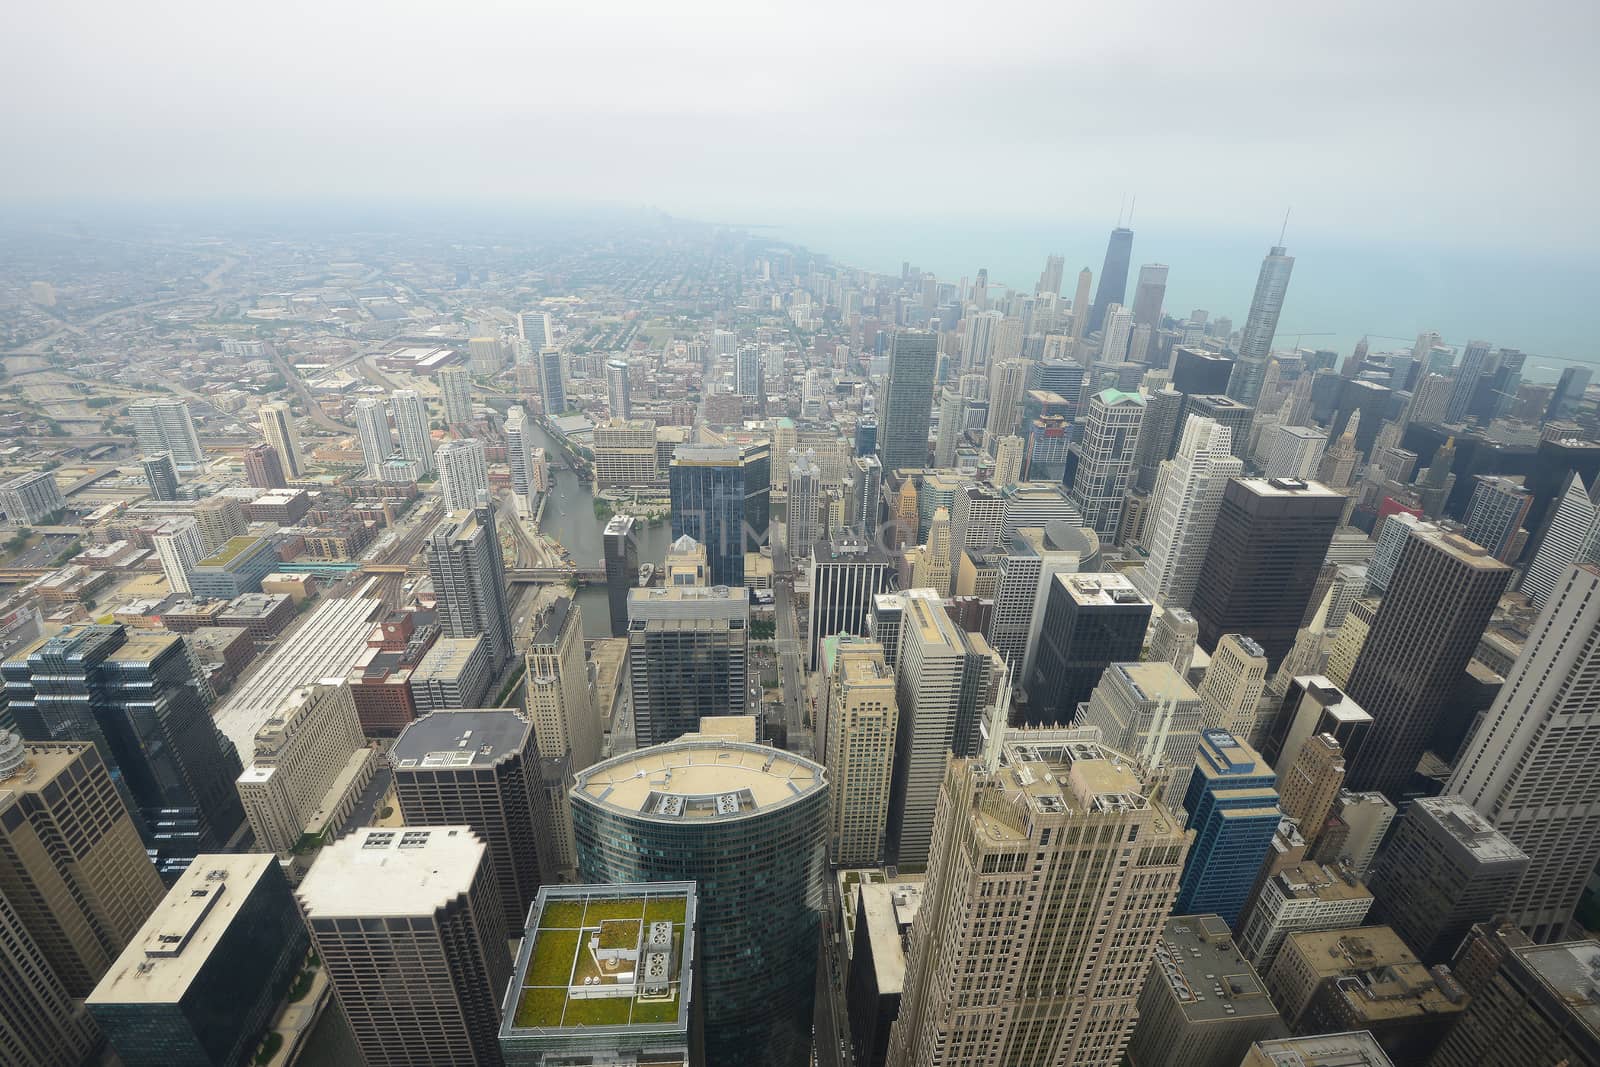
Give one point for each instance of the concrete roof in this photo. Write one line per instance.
(420, 869)
(715, 779)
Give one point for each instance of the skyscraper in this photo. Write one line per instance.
(1050, 279)
(468, 572)
(1255, 341)
(748, 370)
(179, 548)
(805, 483)
(1105, 463)
(411, 424)
(1233, 684)
(861, 717)
(159, 475)
(749, 825)
(1466, 380)
(372, 431)
(1571, 527)
(1147, 298)
(622, 569)
(1568, 393)
(1090, 622)
(163, 424)
(1529, 767)
(1002, 972)
(1295, 452)
(688, 656)
(1148, 711)
(463, 473)
(523, 458)
(552, 381)
(1007, 380)
(478, 768)
(1113, 286)
(1442, 594)
(952, 415)
(455, 385)
(846, 573)
(1310, 785)
(41, 1025)
(277, 426)
(1080, 305)
(908, 400)
(561, 706)
(1266, 551)
(1187, 497)
(262, 468)
(1233, 811)
(440, 920)
(618, 402)
(708, 504)
(1495, 515)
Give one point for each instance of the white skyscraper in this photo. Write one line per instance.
(980, 339)
(1272, 284)
(617, 388)
(805, 482)
(1574, 520)
(179, 548)
(534, 328)
(1105, 463)
(1530, 765)
(455, 384)
(1116, 335)
(163, 424)
(277, 426)
(411, 422)
(372, 431)
(1295, 452)
(463, 473)
(1186, 499)
(523, 457)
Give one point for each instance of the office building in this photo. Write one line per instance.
(1445, 870)
(201, 980)
(372, 433)
(262, 467)
(463, 473)
(1105, 463)
(455, 386)
(805, 484)
(1186, 500)
(1364, 979)
(1355, 1048)
(523, 458)
(74, 875)
(1312, 705)
(566, 722)
(412, 428)
(877, 968)
(1442, 594)
(688, 656)
(708, 504)
(747, 372)
(1466, 377)
(1301, 897)
(1148, 295)
(1255, 340)
(748, 825)
(1202, 1004)
(163, 424)
(309, 767)
(1266, 552)
(907, 401)
(1569, 392)
(1152, 714)
(468, 573)
(1090, 621)
(625, 453)
(1230, 693)
(180, 548)
(1530, 1003)
(552, 381)
(622, 569)
(160, 475)
(1007, 382)
(478, 768)
(41, 1025)
(277, 426)
(1528, 767)
(1000, 973)
(1495, 515)
(945, 678)
(1034, 555)
(884, 620)
(630, 1001)
(1309, 787)
(34, 498)
(140, 697)
(1233, 810)
(1225, 411)
(1200, 370)
(1113, 287)
(438, 918)
(222, 518)
(236, 567)
(454, 673)
(618, 401)
(846, 573)
(1572, 527)
(1158, 435)
(862, 716)
(1295, 452)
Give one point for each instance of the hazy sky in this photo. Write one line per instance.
(1462, 122)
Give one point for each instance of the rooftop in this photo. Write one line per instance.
(447, 657)
(164, 957)
(1156, 681)
(1379, 976)
(1101, 590)
(231, 549)
(549, 623)
(1303, 881)
(604, 956)
(1286, 487)
(883, 934)
(1460, 548)
(1569, 970)
(1208, 976)
(420, 869)
(1357, 1048)
(1470, 830)
(255, 605)
(460, 739)
(705, 779)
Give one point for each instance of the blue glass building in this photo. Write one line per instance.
(1233, 810)
(708, 500)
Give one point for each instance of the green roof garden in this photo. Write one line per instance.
(231, 549)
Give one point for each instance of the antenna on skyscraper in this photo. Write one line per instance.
(1121, 206)
(1285, 228)
(1131, 208)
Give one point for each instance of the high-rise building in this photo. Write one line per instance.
(1312, 706)
(944, 680)
(907, 400)
(262, 467)
(1187, 498)
(1200, 371)
(1158, 434)
(163, 424)
(372, 432)
(236, 567)
(708, 504)
(1321, 1050)
(846, 573)
(1148, 711)
(1233, 684)
(625, 453)
(1105, 462)
(622, 569)
(1009, 453)
(1225, 410)
(310, 764)
(1179, 1024)
(978, 344)
(523, 458)
(438, 917)
(1445, 870)
(277, 426)
(1568, 394)
(140, 697)
(748, 824)
(1117, 333)
(1467, 373)
(1147, 297)
(453, 673)
(866, 496)
(1255, 341)
(1050, 279)
(1080, 305)
(160, 475)
(203, 978)
(412, 427)
(977, 517)
(1007, 382)
(561, 706)
(1443, 591)
(748, 370)
(73, 872)
(1309, 787)
(618, 401)
(1172, 639)
(1090, 621)
(1266, 552)
(468, 573)
(1529, 768)
(1571, 526)
(1032, 558)
(463, 473)
(552, 381)
(805, 484)
(1301, 897)
(1233, 810)
(41, 1025)
(755, 461)
(861, 715)
(688, 656)
(1001, 971)
(1495, 515)
(1296, 452)
(180, 548)
(952, 415)
(1113, 286)
(478, 768)
(455, 386)
(220, 518)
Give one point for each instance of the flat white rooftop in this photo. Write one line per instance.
(391, 871)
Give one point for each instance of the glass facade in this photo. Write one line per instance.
(708, 498)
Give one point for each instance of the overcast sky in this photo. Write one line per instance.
(1462, 122)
